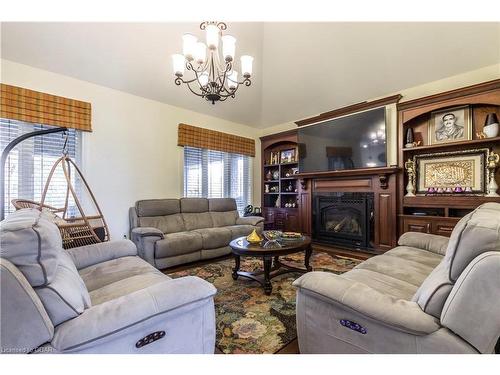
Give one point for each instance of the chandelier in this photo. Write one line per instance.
(212, 75)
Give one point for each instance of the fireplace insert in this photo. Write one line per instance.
(344, 219)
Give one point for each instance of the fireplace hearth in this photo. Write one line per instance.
(344, 219)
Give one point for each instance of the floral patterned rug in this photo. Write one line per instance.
(249, 321)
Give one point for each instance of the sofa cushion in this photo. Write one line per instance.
(167, 224)
(32, 243)
(119, 277)
(224, 219)
(474, 234)
(177, 244)
(214, 237)
(240, 230)
(66, 296)
(194, 221)
(157, 207)
(194, 205)
(111, 271)
(398, 268)
(221, 204)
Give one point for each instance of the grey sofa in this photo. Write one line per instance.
(431, 294)
(99, 298)
(169, 232)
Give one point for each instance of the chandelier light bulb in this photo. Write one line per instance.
(246, 65)
(212, 32)
(201, 52)
(228, 47)
(203, 79)
(178, 64)
(189, 46)
(233, 80)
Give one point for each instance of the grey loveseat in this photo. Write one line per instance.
(431, 294)
(169, 232)
(99, 298)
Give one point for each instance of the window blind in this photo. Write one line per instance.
(30, 162)
(216, 174)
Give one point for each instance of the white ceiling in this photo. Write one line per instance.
(300, 69)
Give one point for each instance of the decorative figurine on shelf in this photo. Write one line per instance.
(493, 160)
(490, 128)
(448, 190)
(276, 175)
(458, 190)
(266, 188)
(480, 135)
(410, 170)
(269, 175)
(468, 190)
(431, 190)
(277, 204)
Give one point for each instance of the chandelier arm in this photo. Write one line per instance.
(203, 93)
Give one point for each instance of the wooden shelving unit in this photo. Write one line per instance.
(438, 214)
(280, 186)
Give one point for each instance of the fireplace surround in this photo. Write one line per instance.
(344, 219)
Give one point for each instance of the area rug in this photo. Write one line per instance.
(249, 321)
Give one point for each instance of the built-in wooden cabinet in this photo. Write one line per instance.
(438, 214)
(280, 185)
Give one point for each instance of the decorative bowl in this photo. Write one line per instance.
(254, 237)
(272, 235)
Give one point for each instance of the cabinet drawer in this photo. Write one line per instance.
(444, 227)
(417, 225)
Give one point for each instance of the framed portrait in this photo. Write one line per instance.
(450, 125)
(288, 156)
(451, 169)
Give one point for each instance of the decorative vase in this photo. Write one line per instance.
(491, 125)
(409, 135)
(269, 175)
(254, 237)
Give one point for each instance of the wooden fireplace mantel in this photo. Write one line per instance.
(379, 181)
(382, 173)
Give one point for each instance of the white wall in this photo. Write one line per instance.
(132, 152)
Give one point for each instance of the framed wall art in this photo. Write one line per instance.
(450, 125)
(465, 169)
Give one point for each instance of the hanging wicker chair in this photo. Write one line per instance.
(80, 228)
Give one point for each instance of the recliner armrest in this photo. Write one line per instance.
(426, 241)
(89, 255)
(130, 313)
(401, 314)
(249, 220)
(147, 231)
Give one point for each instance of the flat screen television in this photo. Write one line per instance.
(350, 142)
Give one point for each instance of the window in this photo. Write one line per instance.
(216, 174)
(29, 163)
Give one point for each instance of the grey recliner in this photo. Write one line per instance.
(431, 294)
(169, 232)
(99, 298)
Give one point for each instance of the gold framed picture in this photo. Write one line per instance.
(450, 125)
(288, 156)
(466, 169)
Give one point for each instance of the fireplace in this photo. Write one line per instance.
(344, 219)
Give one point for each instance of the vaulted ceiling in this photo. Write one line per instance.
(300, 69)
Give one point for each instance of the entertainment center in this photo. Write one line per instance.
(350, 206)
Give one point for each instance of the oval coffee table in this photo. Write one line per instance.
(269, 251)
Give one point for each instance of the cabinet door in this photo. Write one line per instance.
(291, 223)
(416, 225)
(444, 227)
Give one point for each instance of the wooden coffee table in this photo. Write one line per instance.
(270, 253)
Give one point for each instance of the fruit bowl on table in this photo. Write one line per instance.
(272, 235)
